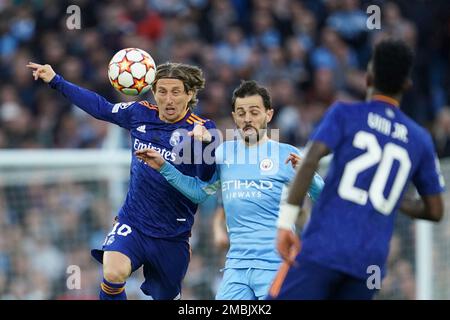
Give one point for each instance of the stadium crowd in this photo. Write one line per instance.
(308, 53)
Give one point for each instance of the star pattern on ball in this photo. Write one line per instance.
(125, 65)
(116, 84)
(148, 64)
(139, 84)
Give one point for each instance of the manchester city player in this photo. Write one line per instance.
(253, 177)
(154, 223)
(377, 151)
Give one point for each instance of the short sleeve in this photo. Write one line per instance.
(330, 130)
(428, 178)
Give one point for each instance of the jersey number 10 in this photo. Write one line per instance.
(385, 159)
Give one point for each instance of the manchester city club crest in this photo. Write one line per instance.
(266, 164)
(175, 138)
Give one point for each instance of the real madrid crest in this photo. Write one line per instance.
(266, 164)
(175, 138)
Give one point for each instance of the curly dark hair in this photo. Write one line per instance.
(191, 76)
(250, 88)
(392, 64)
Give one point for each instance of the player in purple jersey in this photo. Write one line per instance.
(154, 223)
(376, 150)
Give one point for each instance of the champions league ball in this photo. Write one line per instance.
(132, 71)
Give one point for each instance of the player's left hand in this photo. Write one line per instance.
(200, 133)
(151, 157)
(294, 159)
(42, 71)
(288, 245)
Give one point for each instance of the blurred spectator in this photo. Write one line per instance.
(335, 55)
(146, 22)
(264, 33)
(234, 51)
(350, 22)
(441, 132)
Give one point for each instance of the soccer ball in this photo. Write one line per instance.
(132, 71)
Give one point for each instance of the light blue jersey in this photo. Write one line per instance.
(252, 193)
(254, 181)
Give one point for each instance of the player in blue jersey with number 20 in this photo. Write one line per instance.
(154, 224)
(376, 150)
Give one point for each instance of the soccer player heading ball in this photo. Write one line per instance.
(377, 151)
(154, 224)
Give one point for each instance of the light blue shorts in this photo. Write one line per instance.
(245, 284)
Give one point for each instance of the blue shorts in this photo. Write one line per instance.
(308, 280)
(165, 261)
(245, 284)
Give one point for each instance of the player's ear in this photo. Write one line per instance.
(190, 94)
(153, 87)
(269, 113)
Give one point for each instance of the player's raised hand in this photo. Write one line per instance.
(151, 157)
(294, 159)
(200, 133)
(288, 245)
(43, 71)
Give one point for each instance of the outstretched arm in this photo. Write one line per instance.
(193, 188)
(288, 244)
(89, 101)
